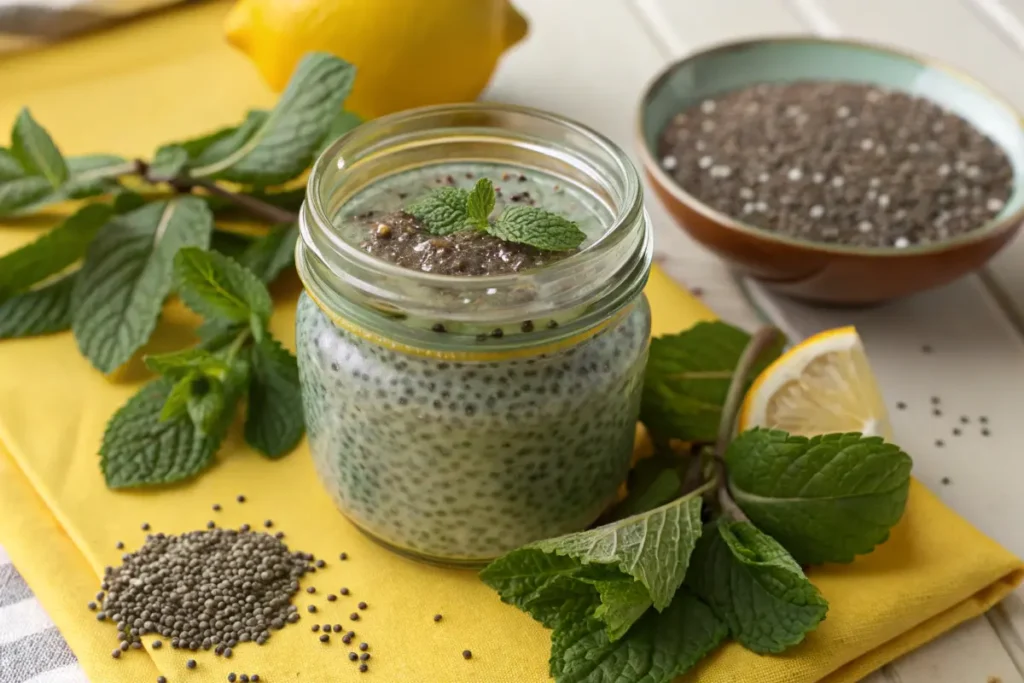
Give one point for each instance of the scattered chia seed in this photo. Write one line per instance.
(983, 420)
(900, 405)
(244, 678)
(210, 525)
(363, 668)
(437, 617)
(315, 628)
(311, 589)
(365, 656)
(161, 679)
(466, 654)
(120, 545)
(191, 664)
(985, 432)
(116, 654)
(245, 528)
(255, 678)
(320, 564)
(311, 609)
(937, 413)
(216, 507)
(946, 481)
(940, 443)
(361, 605)
(232, 678)
(279, 535)
(343, 591)
(364, 647)
(956, 431)
(324, 637)
(268, 524)
(353, 657)
(343, 556)
(336, 628)
(157, 644)
(354, 616)
(808, 159)
(145, 526)
(347, 638)
(228, 652)
(240, 499)
(964, 419)
(92, 606)
(331, 597)
(238, 593)
(935, 400)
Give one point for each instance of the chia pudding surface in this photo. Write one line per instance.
(840, 163)
(463, 461)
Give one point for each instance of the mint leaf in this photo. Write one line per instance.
(178, 364)
(480, 203)
(267, 256)
(755, 587)
(42, 310)
(659, 647)
(141, 450)
(342, 123)
(274, 424)
(52, 252)
(687, 379)
(663, 487)
(127, 274)
(19, 193)
(10, 167)
(168, 163)
(212, 148)
(825, 499)
(284, 145)
(34, 149)
(91, 175)
(537, 228)
(442, 211)
(215, 286)
(176, 404)
(126, 200)
(206, 403)
(554, 579)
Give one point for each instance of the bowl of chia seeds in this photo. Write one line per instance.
(836, 172)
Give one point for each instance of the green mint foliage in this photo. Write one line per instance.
(127, 275)
(274, 423)
(53, 252)
(19, 193)
(139, 449)
(825, 499)
(480, 203)
(168, 162)
(342, 123)
(537, 228)
(284, 145)
(661, 489)
(180, 364)
(209, 149)
(546, 586)
(443, 211)
(623, 601)
(216, 286)
(10, 167)
(91, 175)
(177, 401)
(754, 586)
(44, 309)
(35, 150)
(206, 404)
(268, 256)
(126, 201)
(659, 647)
(687, 379)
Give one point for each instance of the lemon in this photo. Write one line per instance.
(822, 385)
(408, 53)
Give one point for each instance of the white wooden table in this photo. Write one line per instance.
(590, 59)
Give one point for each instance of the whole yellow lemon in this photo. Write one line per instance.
(408, 53)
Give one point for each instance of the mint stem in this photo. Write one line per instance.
(758, 344)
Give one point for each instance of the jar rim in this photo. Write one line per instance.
(368, 275)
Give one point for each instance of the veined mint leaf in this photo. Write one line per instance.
(284, 145)
(141, 450)
(126, 200)
(44, 309)
(212, 148)
(10, 167)
(53, 252)
(480, 203)
(168, 162)
(267, 256)
(537, 228)
(755, 587)
(659, 647)
(654, 547)
(177, 364)
(230, 244)
(215, 286)
(662, 488)
(206, 403)
(687, 379)
(442, 211)
(342, 123)
(176, 404)
(127, 275)
(825, 499)
(274, 424)
(34, 149)
(554, 579)
(18, 193)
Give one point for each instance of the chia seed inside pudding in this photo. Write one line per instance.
(461, 460)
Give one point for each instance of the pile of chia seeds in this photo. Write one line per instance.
(203, 590)
(400, 238)
(839, 163)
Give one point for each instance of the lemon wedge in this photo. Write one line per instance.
(823, 385)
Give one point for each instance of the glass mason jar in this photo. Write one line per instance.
(453, 418)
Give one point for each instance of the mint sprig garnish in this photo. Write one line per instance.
(644, 598)
(447, 210)
(105, 272)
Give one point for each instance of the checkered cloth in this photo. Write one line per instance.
(31, 649)
(26, 24)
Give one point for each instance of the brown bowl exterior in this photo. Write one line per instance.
(830, 277)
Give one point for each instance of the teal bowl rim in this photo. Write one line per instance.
(650, 162)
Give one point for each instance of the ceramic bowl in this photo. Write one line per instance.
(832, 274)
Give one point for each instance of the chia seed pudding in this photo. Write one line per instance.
(840, 163)
(496, 404)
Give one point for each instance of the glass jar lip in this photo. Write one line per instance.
(625, 215)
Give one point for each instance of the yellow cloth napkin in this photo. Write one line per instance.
(132, 88)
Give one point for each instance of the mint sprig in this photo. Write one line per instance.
(447, 210)
(643, 600)
(106, 271)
